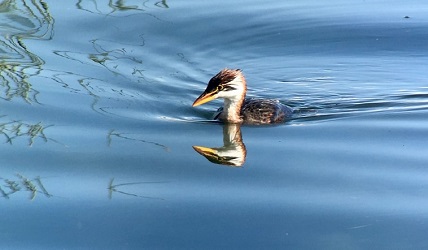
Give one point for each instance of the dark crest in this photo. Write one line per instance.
(220, 80)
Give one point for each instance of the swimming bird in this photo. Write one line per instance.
(230, 84)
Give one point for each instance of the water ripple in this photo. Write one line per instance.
(335, 108)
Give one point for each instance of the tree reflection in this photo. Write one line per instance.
(22, 183)
(111, 58)
(132, 137)
(16, 129)
(21, 20)
(110, 6)
(233, 151)
(114, 188)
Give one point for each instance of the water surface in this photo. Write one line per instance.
(97, 129)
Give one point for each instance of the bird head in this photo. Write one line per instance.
(228, 84)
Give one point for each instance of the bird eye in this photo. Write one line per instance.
(228, 87)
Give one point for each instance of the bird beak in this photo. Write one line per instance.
(204, 98)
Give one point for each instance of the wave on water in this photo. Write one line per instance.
(337, 107)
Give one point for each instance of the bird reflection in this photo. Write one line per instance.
(233, 151)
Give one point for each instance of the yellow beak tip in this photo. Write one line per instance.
(203, 150)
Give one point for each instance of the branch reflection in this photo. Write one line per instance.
(109, 6)
(20, 183)
(233, 151)
(33, 186)
(131, 137)
(17, 129)
(21, 20)
(114, 188)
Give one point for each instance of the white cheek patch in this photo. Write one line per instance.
(237, 87)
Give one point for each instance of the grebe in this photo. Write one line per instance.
(230, 85)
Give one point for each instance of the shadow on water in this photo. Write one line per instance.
(232, 153)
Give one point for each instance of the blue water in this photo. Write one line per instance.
(97, 127)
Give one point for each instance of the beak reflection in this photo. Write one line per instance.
(233, 151)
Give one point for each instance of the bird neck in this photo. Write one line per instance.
(232, 109)
(233, 103)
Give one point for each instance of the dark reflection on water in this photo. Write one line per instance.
(233, 151)
(22, 21)
(118, 188)
(131, 137)
(114, 59)
(22, 183)
(16, 129)
(34, 186)
(17, 64)
(111, 6)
